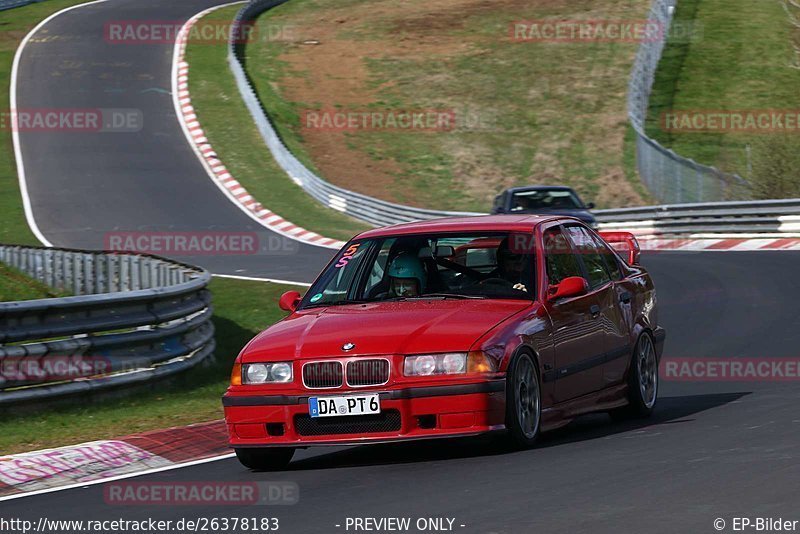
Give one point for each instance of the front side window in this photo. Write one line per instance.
(584, 244)
(561, 261)
(447, 265)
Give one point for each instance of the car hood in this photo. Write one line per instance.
(408, 327)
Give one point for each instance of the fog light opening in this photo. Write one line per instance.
(426, 421)
(275, 429)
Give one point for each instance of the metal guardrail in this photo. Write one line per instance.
(132, 318)
(359, 206)
(10, 4)
(671, 178)
(755, 217)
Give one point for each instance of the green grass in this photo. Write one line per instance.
(231, 131)
(740, 63)
(538, 112)
(241, 310)
(15, 285)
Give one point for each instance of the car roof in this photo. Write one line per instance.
(539, 188)
(482, 223)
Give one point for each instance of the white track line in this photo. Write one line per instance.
(256, 279)
(216, 172)
(23, 184)
(118, 477)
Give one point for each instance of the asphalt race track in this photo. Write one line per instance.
(84, 185)
(712, 449)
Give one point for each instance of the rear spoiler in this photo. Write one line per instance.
(625, 243)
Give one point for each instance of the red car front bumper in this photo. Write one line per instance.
(406, 413)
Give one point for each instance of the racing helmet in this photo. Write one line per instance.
(406, 265)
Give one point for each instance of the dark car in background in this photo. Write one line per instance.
(543, 199)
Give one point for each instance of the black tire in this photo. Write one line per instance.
(642, 387)
(523, 401)
(273, 459)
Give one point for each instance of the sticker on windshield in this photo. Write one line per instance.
(316, 297)
(347, 256)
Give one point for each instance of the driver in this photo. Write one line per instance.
(406, 276)
(510, 267)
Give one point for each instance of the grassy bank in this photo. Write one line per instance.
(231, 131)
(525, 112)
(15, 285)
(739, 63)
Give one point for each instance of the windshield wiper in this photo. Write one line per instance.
(452, 296)
(334, 303)
(434, 296)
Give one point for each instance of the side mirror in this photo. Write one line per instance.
(589, 206)
(572, 286)
(289, 301)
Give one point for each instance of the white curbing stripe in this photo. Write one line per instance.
(216, 170)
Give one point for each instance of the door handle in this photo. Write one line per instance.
(625, 297)
(595, 309)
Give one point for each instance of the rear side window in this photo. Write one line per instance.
(596, 268)
(561, 261)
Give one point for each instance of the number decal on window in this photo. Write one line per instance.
(348, 255)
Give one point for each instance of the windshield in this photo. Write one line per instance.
(430, 266)
(547, 199)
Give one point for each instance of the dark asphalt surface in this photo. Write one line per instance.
(84, 185)
(711, 449)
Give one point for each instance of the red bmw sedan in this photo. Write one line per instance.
(451, 327)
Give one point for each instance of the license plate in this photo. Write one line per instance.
(339, 406)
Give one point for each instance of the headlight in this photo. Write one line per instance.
(452, 363)
(266, 373)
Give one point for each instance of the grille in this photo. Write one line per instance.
(322, 374)
(367, 372)
(388, 421)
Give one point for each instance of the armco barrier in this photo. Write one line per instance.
(9, 4)
(132, 318)
(772, 217)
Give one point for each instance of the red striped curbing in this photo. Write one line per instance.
(104, 459)
(215, 166)
(732, 244)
